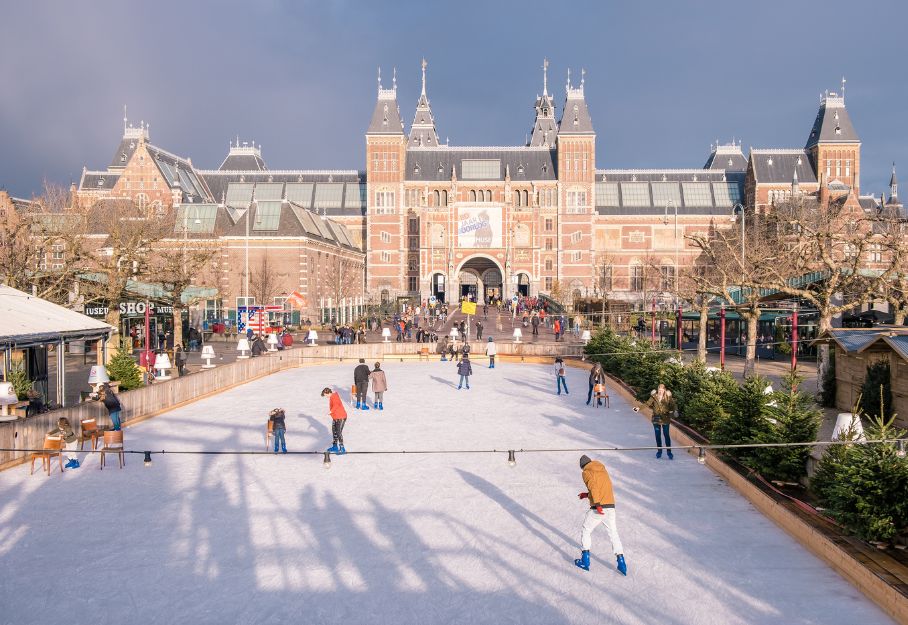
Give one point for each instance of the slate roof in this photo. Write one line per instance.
(777, 166)
(833, 124)
(853, 339)
(243, 162)
(179, 171)
(545, 128)
(524, 163)
(103, 180)
(124, 152)
(575, 118)
(292, 221)
(650, 191)
(386, 115)
(726, 157)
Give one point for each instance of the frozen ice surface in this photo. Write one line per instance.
(399, 538)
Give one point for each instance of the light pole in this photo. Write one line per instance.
(665, 222)
(737, 210)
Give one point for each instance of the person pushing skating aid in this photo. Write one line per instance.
(601, 498)
(338, 420)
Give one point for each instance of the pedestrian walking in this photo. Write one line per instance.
(338, 420)
(180, 357)
(556, 327)
(561, 375)
(278, 427)
(379, 386)
(478, 330)
(464, 370)
(535, 322)
(601, 498)
(597, 376)
(491, 352)
(443, 348)
(361, 381)
(662, 403)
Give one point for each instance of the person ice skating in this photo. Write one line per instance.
(601, 497)
(338, 420)
(561, 375)
(279, 427)
(65, 431)
(491, 352)
(379, 386)
(464, 370)
(112, 403)
(361, 380)
(662, 403)
(597, 376)
(443, 348)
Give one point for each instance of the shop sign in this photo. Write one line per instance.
(130, 309)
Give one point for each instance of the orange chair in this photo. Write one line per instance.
(353, 394)
(424, 353)
(113, 444)
(89, 432)
(53, 446)
(269, 433)
(599, 392)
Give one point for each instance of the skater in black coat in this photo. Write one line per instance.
(361, 380)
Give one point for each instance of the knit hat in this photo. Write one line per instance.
(490, 339)
(584, 460)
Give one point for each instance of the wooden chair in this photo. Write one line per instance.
(599, 392)
(89, 432)
(269, 433)
(424, 353)
(53, 446)
(113, 444)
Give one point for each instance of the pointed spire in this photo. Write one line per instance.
(843, 89)
(795, 187)
(545, 77)
(125, 120)
(379, 78)
(569, 79)
(893, 185)
(424, 64)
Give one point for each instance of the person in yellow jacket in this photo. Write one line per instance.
(601, 498)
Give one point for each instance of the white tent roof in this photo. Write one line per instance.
(28, 320)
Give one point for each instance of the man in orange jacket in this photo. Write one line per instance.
(338, 420)
(601, 498)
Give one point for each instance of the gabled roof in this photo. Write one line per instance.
(853, 340)
(833, 124)
(777, 166)
(726, 156)
(478, 163)
(178, 171)
(545, 128)
(422, 132)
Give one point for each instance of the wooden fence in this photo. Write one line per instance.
(148, 401)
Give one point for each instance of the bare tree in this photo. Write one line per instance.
(263, 281)
(695, 287)
(341, 278)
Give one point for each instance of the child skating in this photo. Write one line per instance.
(278, 427)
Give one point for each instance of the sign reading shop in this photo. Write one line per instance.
(130, 309)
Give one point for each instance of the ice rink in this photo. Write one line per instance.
(399, 539)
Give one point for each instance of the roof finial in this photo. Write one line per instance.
(545, 77)
(582, 76)
(124, 119)
(394, 79)
(843, 90)
(379, 78)
(424, 64)
(569, 78)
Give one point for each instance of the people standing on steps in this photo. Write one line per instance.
(278, 427)
(597, 376)
(556, 328)
(662, 403)
(561, 375)
(65, 431)
(601, 498)
(535, 322)
(491, 352)
(464, 370)
(379, 386)
(478, 330)
(361, 381)
(338, 420)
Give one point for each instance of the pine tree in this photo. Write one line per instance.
(746, 420)
(124, 369)
(876, 392)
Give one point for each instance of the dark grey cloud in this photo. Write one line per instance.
(664, 79)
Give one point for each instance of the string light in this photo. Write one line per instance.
(327, 461)
(512, 458)
(147, 458)
(701, 457)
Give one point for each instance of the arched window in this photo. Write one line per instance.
(436, 198)
(444, 198)
(526, 201)
(472, 195)
(385, 296)
(141, 201)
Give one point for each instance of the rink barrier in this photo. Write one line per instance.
(844, 560)
(149, 401)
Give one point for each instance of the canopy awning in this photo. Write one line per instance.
(26, 321)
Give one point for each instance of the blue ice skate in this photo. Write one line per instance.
(381, 405)
(584, 561)
(365, 406)
(357, 404)
(622, 566)
(333, 449)
(341, 451)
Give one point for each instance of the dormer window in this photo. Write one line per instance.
(100, 182)
(520, 169)
(769, 161)
(123, 157)
(838, 130)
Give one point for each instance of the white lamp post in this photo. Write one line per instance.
(272, 342)
(585, 337)
(454, 334)
(7, 398)
(386, 334)
(98, 375)
(517, 334)
(242, 347)
(162, 365)
(312, 337)
(208, 355)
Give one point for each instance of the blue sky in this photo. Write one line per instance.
(663, 79)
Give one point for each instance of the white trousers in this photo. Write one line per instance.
(592, 520)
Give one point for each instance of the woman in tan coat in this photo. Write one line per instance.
(379, 385)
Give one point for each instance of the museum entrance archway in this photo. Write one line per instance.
(480, 280)
(523, 285)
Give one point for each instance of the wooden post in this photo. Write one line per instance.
(794, 338)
